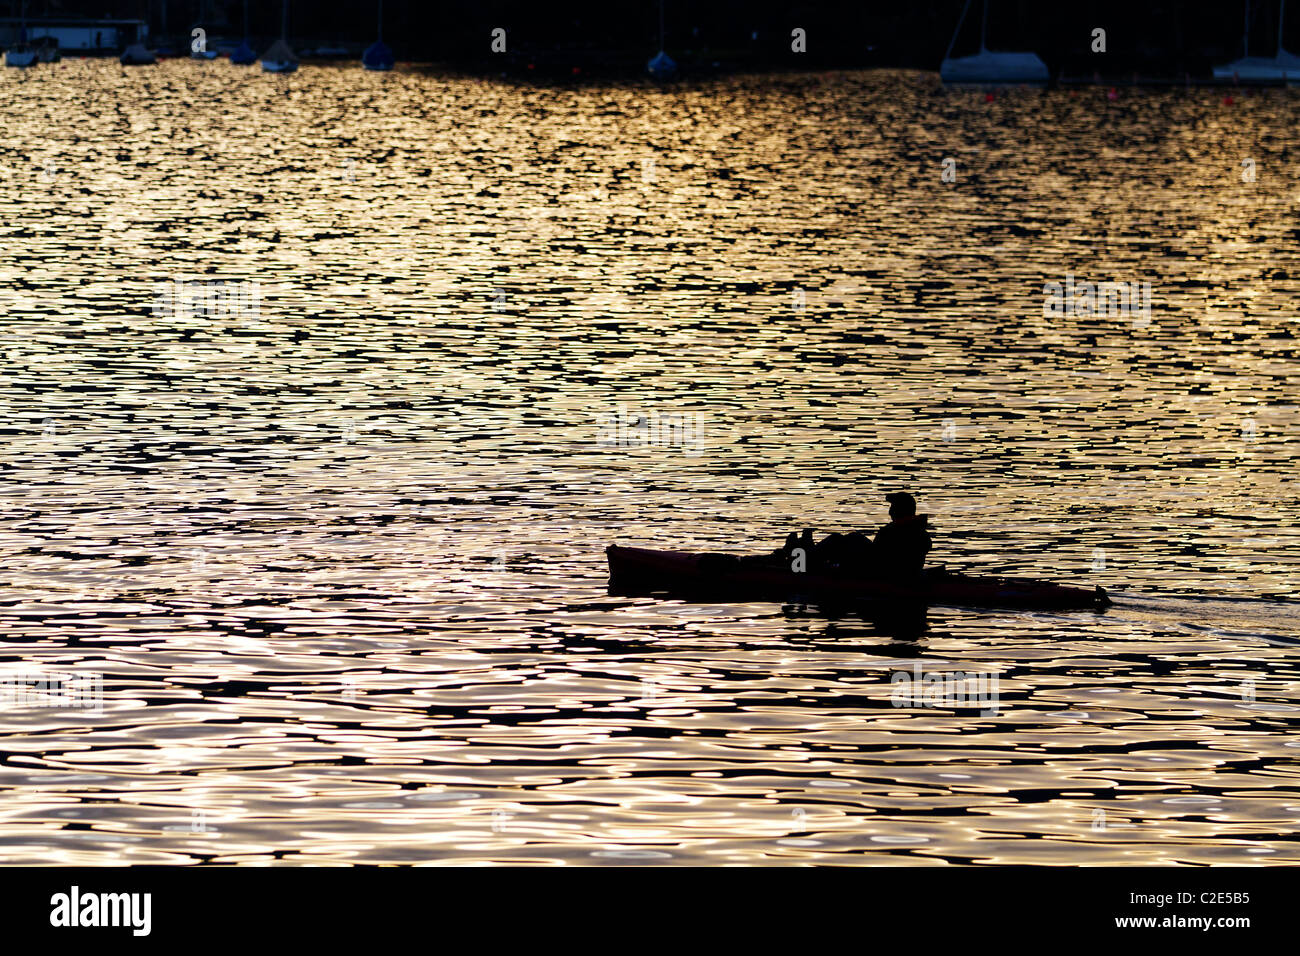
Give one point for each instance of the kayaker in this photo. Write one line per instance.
(901, 546)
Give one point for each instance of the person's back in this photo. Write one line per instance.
(901, 546)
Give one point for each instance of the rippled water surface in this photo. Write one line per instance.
(338, 559)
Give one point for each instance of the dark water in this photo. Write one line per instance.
(337, 556)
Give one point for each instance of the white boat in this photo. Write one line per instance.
(1284, 67)
(20, 55)
(279, 58)
(990, 66)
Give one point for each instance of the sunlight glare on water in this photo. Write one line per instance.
(338, 557)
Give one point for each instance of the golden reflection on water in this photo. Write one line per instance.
(339, 560)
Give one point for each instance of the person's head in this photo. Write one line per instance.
(901, 505)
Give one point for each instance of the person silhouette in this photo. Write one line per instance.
(900, 547)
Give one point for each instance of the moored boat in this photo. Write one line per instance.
(279, 57)
(136, 55)
(728, 577)
(661, 65)
(990, 67)
(1282, 67)
(243, 55)
(20, 55)
(378, 57)
(47, 50)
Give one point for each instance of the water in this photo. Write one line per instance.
(338, 560)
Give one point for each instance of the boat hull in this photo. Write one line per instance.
(1281, 69)
(993, 69)
(662, 67)
(378, 57)
(722, 577)
(136, 55)
(279, 66)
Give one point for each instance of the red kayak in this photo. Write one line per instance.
(728, 577)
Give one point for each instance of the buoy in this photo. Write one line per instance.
(1111, 94)
(988, 97)
(1227, 101)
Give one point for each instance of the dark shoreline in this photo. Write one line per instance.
(605, 66)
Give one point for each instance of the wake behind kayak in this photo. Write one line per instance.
(728, 577)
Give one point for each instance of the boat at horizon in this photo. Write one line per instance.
(279, 57)
(22, 53)
(1282, 67)
(990, 66)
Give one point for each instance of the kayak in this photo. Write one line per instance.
(728, 577)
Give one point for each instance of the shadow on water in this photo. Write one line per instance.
(900, 623)
(904, 622)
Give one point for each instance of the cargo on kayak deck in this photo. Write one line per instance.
(729, 577)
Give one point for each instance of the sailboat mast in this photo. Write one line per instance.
(661, 24)
(953, 42)
(284, 19)
(381, 21)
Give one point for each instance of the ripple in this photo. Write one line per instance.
(336, 561)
